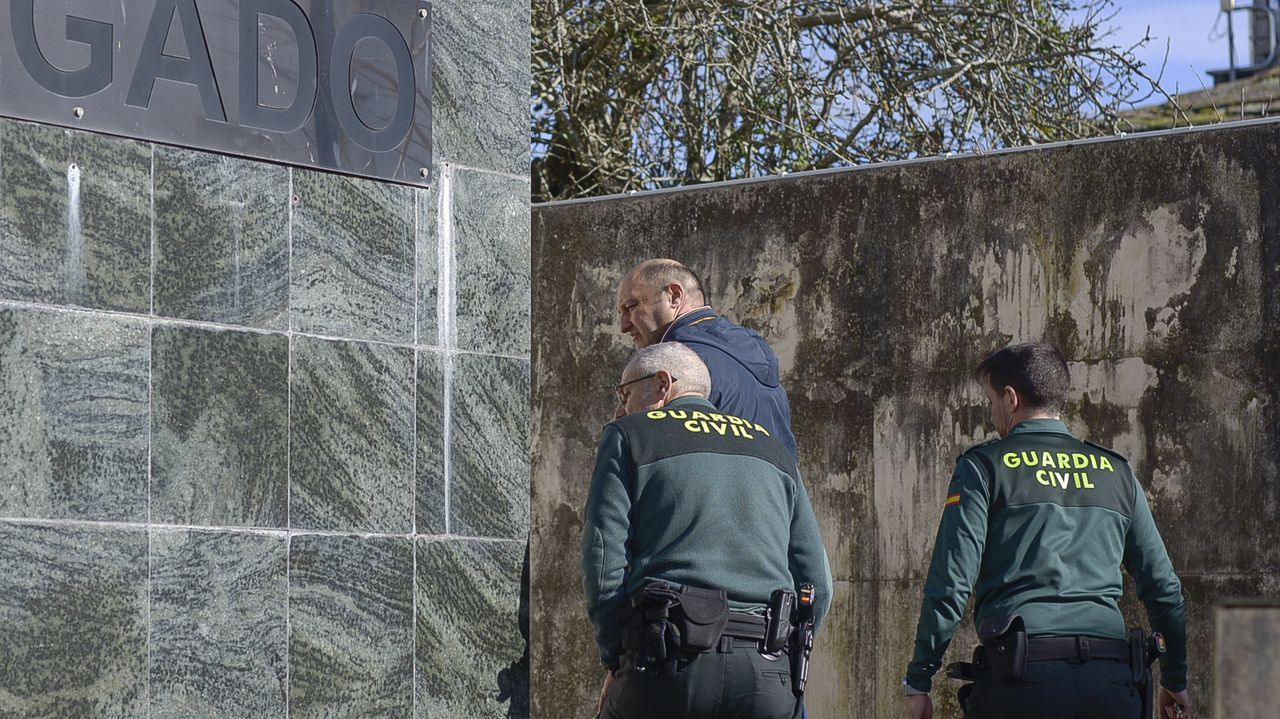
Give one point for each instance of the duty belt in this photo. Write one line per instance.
(744, 626)
(1079, 648)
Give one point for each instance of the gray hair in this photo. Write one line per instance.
(677, 360)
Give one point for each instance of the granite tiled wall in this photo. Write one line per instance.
(264, 433)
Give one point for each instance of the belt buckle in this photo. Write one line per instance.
(1083, 652)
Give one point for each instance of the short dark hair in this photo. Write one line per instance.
(1036, 370)
(658, 274)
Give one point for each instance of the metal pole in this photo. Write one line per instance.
(1231, 46)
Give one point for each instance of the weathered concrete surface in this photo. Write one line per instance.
(1154, 263)
(1247, 676)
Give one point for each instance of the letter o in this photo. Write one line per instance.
(359, 27)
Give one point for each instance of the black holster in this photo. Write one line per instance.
(1004, 647)
(1143, 651)
(670, 625)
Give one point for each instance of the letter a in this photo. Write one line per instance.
(154, 64)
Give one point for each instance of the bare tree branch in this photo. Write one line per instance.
(634, 94)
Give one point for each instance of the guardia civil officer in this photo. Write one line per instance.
(694, 521)
(661, 300)
(1037, 525)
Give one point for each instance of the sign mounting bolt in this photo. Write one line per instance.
(422, 13)
(424, 173)
(78, 112)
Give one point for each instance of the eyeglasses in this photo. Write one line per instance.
(622, 396)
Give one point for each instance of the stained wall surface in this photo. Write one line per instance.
(1153, 262)
(1247, 676)
(264, 431)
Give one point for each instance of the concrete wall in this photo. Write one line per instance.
(1247, 675)
(1153, 262)
(263, 431)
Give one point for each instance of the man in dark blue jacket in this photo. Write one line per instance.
(661, 300)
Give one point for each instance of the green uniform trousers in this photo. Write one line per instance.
(1097, 689)
(740, 684)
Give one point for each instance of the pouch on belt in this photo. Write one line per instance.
(1004, 646)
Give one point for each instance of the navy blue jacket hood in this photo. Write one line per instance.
(745, 379)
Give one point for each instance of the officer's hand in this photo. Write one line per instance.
(604, 692)
(919, 706)
(1169, 703)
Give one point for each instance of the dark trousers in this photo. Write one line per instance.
(1097, 689)
(740, 684)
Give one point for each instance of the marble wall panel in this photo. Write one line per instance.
(430, 500)
(471, 655)
(256, 383)
(221, 239)
(350, 628)
(481, 76)
(491, 237)
(73, 605)
(351, 445)
(220, 427)
(353, 258)
(489, 485)
(219, 644)
(73, 405)
(430, 282)
(75, 218)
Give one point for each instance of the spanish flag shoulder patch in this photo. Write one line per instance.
(953, 499)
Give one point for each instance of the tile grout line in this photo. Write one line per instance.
(498, 173)
(223, 327)
(446, 335)
(151, 410)
(413, 625)
(288, 458)
(257, 531)
(151, 300)
(288, 619)
(413, 462)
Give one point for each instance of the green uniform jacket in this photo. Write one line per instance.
(695, 497)
(1040, 524)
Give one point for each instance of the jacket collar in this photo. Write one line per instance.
(690, 401)
(688, 318)
(1050, 426)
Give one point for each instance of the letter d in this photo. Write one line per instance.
(253, 114)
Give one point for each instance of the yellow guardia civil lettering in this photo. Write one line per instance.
(725, 425)
(1058, 460)
(1063, 470)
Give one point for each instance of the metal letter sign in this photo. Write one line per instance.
(341, 85)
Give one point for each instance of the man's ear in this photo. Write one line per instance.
(1011, 396)
(665, 382)
(678, 295)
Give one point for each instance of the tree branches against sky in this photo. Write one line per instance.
(639, 94)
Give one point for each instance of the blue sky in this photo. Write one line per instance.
(1194, 43)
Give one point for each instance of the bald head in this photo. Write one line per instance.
(660, 373)
(652, 295)
(660, 272)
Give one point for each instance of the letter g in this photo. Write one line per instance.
(99, 36)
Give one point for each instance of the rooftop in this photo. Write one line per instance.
(1247, 99)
